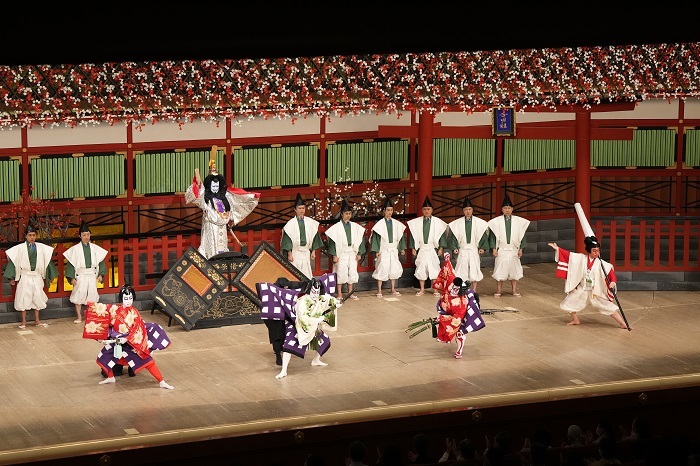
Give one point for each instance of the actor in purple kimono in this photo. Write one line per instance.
(307, 311)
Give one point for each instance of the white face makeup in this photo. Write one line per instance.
(215, 187)
(128, 300)
(315, 293)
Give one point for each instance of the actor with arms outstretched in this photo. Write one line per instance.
(586, 281)
(222, 208)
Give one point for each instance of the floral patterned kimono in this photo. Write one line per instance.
(112, 321)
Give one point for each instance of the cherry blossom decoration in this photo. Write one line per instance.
(334, 86)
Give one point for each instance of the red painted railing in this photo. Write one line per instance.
(646, 245)
(651, 245)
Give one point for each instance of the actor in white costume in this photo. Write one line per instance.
(29, 267)
(589, 279)
(85, 269)
(427, 241)
(300, 238)
(387, 243)
(507, 238)
(468, 238)
(222, 208)
(346, 244)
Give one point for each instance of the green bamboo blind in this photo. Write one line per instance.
(531, 154)
(692, 148)
(360, 161)
(648, 148)
(77, 177)
(9, 177)
(261, 167)
(172, 172)
(463, 156)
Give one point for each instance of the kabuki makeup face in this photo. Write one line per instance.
(127, 296)
(315, 291)
(128, 300)
(215, 186)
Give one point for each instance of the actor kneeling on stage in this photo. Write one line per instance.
(128, 340)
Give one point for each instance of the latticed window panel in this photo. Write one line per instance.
(172, 171)
(648, 148)
(531, 154)
(71, 177)
(365, 161)
(9, 180)
(263, 167)
(692, 148)
(463, 156)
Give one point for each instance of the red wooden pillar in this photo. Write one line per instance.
(425, 158)
(26, 184)
(322, 164)
(498, 193)
(583, 172)
(680, 147)
(131, 220)
(228, 152)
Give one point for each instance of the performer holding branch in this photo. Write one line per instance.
(588, 278)
(458, 310)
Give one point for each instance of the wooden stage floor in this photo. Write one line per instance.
(225, 381)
